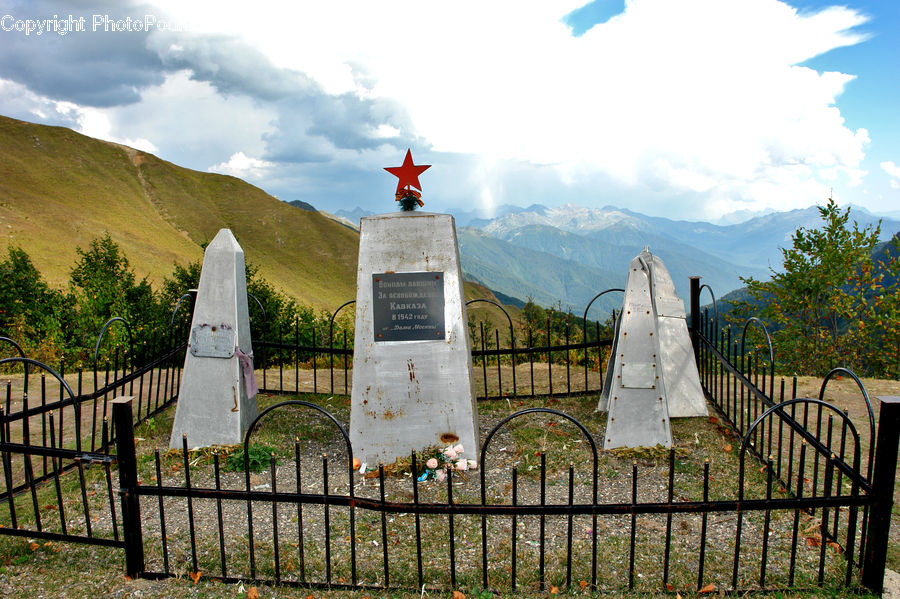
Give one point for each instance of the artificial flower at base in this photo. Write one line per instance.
(442, 460)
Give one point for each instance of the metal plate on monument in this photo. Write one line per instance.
(639, 376)
(212, 341)
(408, 306)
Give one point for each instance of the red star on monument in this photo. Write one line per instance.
(408, 173)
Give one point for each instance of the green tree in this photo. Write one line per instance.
(827, 302)
(884, 298)
(534, 316)
(104, 285)
(181, 281)
(31, 313)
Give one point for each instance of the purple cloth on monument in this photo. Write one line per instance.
(250, 385)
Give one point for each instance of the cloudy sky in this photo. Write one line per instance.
(690, 109)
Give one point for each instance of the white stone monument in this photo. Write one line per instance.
(217, 398)
(684, 395)
(638, 415)
(413, 384)
(652, 376)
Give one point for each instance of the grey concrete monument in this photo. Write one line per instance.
(413, 383)
(652, 375)
(684, 395)
(638, 416)
(217, 398)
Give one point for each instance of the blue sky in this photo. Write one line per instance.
(690, 109)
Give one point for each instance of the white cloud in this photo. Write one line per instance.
(698, 95)
(893, 171)
(699, 99)
(243, 166)
(385, 131)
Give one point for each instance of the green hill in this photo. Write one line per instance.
(60, 189)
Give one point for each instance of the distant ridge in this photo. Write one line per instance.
(353, 216)
(548, 280)
(753, 243)
(607, 238)
(303, 205)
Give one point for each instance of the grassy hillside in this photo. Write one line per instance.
(482, 311)
(60, 189)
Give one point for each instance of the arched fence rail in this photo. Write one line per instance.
(809, 504)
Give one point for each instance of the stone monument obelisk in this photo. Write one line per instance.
(638, 413)
(217, 398)
(651, 376)
(413, 384)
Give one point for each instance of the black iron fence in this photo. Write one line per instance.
(808, 501)
(812, 448)
(52, 422)
(502, 528)
(551, 359)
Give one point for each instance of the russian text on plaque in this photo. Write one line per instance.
(408, 306)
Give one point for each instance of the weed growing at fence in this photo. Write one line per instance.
(258, 458)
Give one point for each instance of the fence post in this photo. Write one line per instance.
(883, 476)
(695, 318)
(131, 507)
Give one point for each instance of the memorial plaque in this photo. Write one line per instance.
(211, 341)
(408, 306)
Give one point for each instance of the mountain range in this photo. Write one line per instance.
(567, 254)
(60, 189)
